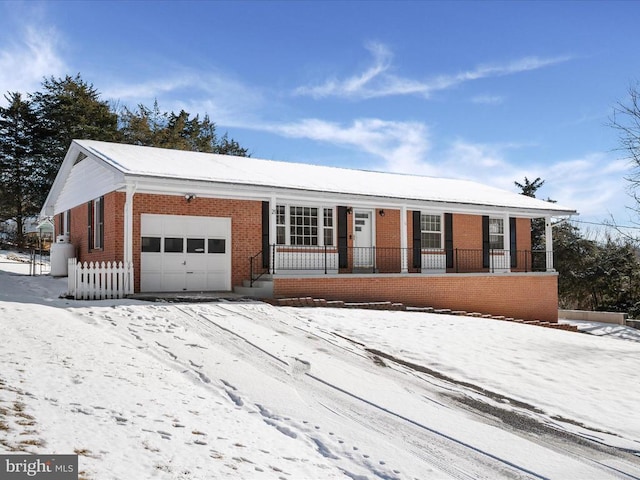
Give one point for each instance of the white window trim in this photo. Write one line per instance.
(422, 214)
(98, 233)
(66, 217)
(320, 225)
(503, 234)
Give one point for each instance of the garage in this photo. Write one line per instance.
(185, 253)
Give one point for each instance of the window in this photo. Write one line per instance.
(303, 225)
(151, 244)
(173, 245)
(217, 245)
(328, 226)
(195, 245)
(496, 233)
(281, 225)
(98, 206)
(431, 231)
(64, 226)
(96, 223)
(361, 220)
(309, 226)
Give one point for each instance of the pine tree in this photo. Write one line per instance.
(21, 187)
(538, 236)
(69, 108)
(151, 127)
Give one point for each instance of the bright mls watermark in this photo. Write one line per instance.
(39, 467)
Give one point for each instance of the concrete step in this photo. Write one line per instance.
(260, 289)
(258, 283)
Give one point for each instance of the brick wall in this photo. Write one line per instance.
(523, 244)
(388, 257)
(112, 249)
(525, 296)
(246, 225)
(467, 232)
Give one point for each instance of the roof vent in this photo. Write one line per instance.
(81, 156)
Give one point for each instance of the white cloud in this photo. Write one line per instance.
(227, 100)
(378, 81)
(593, 184)
(400, 145)
(488, 99)
(25, 61)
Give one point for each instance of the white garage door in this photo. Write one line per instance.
(184, 253)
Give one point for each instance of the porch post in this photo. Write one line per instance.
(548, 243)
(272, 232)
(404, 249)
(128, 223)
(506, 255)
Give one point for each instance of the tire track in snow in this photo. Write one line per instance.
(468, 454)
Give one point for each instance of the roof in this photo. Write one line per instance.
(151, 162)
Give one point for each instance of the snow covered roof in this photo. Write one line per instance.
(138, 161)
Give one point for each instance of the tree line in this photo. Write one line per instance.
(37, 128)
(593, 274)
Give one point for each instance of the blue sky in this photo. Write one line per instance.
(490, 91)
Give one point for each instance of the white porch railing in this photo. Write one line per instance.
(99, 280)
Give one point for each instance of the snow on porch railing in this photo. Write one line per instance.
(99, 281)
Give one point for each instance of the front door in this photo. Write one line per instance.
(363, 252)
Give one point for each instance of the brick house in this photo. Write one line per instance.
(200, 222)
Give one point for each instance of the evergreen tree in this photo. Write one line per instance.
(151, 127)
(538, 236)
(22, 189)
(530, 188)
(69, 108)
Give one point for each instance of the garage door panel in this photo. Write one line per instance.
(196, 281)
(151, 282)
(152, 225)
(172, 282)
(216, 283)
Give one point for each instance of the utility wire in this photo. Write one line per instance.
(606, 224)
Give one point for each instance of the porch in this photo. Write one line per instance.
(299, 260)
(519, 283)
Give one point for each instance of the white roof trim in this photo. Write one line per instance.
(164, 170)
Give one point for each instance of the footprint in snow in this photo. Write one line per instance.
(203, 378)
(300, 367)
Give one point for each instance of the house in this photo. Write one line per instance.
(193, 221)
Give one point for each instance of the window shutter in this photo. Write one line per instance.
(448, 238)
(485, 242)
(417, 240)
(265, 235)
(90, 225)
(61, 224)
(343, 258)
(513, 246)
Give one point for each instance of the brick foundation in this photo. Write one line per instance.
(524, 296)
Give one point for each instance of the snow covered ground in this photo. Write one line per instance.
(244, 390)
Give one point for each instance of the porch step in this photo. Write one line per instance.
(260, 289)
(386, 305)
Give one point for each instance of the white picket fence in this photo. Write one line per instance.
(99, 281)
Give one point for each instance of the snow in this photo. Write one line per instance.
(245, 390)
(141, 161)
